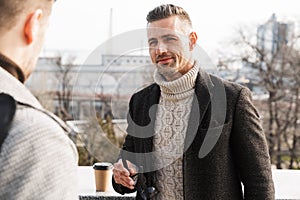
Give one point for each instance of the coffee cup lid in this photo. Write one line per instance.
(102, 166)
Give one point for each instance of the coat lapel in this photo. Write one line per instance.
(203, 91)
(200, 105)
(150, 108)
(201, 101)
(145, 145)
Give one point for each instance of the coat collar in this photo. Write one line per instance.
(203, 94)
(10, 85)
(200, 104)
(12, 68)
(203, 91)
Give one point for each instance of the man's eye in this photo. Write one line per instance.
(152, 43)
(170, 39)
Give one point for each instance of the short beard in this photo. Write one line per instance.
(168, 73)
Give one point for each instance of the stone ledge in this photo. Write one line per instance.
(286, 186)
(106, 198)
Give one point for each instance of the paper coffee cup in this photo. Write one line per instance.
(103, 175)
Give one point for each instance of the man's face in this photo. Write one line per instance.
(170, 47)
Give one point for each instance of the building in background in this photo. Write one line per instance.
(271, 37)
(274, 34)
(75, 91)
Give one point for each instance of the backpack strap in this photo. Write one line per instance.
(8, 107)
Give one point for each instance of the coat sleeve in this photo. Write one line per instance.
(251, 151)
(118, 187)
(128, 146)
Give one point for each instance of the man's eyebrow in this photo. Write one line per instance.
(163, 36)
(168, 35)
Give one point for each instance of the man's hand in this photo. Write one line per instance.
(123, 176)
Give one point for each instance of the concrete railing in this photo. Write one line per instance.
(287, 185)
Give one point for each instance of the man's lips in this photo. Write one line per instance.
(165, 60)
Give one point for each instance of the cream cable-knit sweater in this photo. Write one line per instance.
(170, 129)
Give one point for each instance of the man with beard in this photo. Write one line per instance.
(191, 135)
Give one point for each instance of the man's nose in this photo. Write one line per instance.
(161, 48)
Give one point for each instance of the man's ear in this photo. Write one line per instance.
(32, 26)
(193, 40)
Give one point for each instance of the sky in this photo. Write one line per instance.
(83, 25)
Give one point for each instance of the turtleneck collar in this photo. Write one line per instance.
(180, 88)
(12, 68)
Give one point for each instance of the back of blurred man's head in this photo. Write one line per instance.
(11, 10)
(23, 24)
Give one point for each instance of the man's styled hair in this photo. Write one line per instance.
(168, 10)
(10, 10)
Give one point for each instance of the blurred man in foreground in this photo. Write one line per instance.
(37, 159)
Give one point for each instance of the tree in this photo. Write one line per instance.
(278, 71)
(64, 91)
